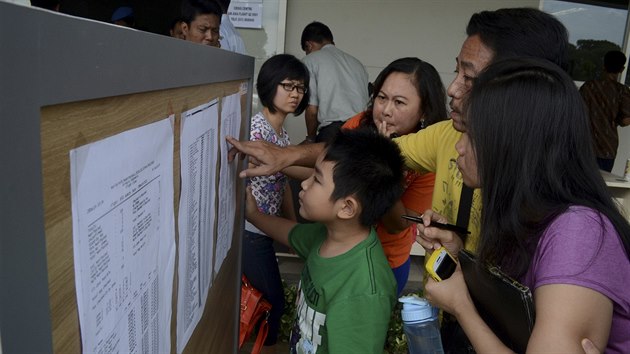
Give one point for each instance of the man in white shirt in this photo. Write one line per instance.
(338, 85)
(230, 38)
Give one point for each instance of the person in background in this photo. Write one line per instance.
(230, 38)
(52, 5)
(282, 87)
(175, 29)
(124, 16)
(608, 104)
(339, 83)
(408, 96)
(548, 219)
(347, 290)
(202, 21)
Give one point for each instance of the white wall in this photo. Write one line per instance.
(623, 152)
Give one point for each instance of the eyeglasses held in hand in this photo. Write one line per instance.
(289, 87)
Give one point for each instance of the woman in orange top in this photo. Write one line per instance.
(408, 96)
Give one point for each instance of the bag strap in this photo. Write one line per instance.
(463, 214)
(262, 335)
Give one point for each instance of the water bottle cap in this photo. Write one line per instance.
(415, 309)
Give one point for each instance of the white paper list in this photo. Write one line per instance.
(124, 239)
(230, 125)
(197, 213)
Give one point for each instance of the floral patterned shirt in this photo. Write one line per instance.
(267, 190)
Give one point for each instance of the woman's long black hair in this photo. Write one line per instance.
(531, 135)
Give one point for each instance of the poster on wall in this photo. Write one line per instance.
(246, 14)
(124, 239)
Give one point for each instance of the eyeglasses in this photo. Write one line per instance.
(289, 87)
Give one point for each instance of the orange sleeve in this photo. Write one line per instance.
(353, 122)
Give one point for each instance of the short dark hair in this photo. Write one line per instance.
(225, 4)
(46, 4)
(427, 82)
(277, 68)
(175, 22)
(369, 167)
(614, 61)
(193, 8)
(522, 32)
(534, 165)
(316, 32)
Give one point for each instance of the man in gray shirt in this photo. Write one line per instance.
(338, 85)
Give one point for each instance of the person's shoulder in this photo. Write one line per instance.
(354, 122)
(581, 225)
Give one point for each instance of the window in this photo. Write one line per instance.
(595, 27)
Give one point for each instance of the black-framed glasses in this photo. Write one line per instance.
(289, 87)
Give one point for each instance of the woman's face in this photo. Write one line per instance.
(398, 104)
(467, 162)
(288, 96)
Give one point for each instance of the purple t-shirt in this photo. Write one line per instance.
(580, 248)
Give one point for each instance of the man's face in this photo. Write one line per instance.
(203, 29)
(472, 59)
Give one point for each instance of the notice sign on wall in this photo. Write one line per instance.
(246, 14)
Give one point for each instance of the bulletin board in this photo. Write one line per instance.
(71, 82)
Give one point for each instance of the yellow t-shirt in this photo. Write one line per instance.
(433, 150)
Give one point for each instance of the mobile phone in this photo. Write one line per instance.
(441, 265)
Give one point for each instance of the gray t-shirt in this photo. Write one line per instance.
(339, 84)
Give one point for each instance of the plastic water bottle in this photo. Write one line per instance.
(420, 323)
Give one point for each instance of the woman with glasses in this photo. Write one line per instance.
(282, 89)
(408, 96)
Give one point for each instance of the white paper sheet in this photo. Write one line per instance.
(230, 125)
(198, 151)
(124, 239)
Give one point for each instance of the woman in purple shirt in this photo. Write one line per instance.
(548, 218)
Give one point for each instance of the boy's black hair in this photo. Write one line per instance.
(193, 8)
(276, 69)
(369, 167)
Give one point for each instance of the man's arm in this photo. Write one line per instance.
(310, 116)
(270, 158)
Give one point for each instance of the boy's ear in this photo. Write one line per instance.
(350, 208)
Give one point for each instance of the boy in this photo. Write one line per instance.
(347, 289)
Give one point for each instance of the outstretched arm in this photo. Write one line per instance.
(269, 158)
(273, 226)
